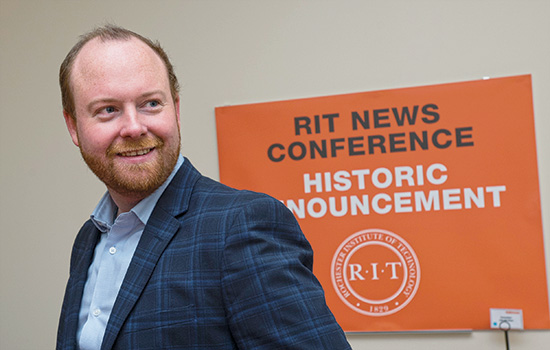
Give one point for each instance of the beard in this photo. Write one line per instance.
(136, 180)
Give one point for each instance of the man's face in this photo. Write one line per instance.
(127, 124)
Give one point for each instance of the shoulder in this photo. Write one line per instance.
(250, 203)
(190, 190)
(209, 203)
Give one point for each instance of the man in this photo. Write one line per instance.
(171, 259)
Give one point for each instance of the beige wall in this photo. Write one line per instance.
(232, 52)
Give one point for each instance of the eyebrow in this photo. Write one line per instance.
(155, 92)
(90, 106)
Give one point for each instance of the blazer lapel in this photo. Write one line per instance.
(158, 232)
(81, 259)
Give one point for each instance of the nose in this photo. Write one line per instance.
(132, 126)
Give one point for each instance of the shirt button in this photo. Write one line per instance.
(112, 250)
(96, 312)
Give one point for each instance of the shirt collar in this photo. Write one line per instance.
(104, 214)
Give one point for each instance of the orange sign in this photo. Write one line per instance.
(422, 204)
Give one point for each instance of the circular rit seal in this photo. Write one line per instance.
(375, 272)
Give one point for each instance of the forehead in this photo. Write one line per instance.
(98, 60)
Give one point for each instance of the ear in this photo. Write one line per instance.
(177, 107)
(71, 126)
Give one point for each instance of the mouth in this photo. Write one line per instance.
(135, 153)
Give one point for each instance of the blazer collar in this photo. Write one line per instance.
(175, 199)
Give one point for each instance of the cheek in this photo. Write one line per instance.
(168, 131)
(94, 140)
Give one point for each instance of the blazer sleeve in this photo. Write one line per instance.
(272, 298)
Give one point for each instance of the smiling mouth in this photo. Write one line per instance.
(135, 153)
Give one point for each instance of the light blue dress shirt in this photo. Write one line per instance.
(112, 255)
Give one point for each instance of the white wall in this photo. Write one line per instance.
(232, 52)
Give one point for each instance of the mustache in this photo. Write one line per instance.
(135, 145)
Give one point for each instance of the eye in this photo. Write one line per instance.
(106, 112)
(153, 104)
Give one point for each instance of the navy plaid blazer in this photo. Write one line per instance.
(215, 268)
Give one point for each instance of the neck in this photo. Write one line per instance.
(125, 202)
